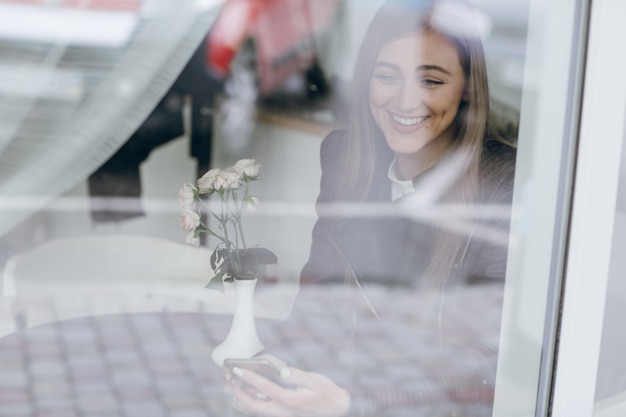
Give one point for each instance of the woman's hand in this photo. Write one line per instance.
(314, 396)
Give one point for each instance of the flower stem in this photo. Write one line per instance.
(237, 222)
(226, 216)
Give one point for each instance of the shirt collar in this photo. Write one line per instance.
(399, 188)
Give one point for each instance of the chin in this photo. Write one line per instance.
(405, 147)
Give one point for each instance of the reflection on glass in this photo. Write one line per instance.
(402, 275)
(610, 394)
(78, 79)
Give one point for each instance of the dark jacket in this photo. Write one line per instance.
(399, 350)
(395, 248)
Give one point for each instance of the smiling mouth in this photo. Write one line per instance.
(408, 121)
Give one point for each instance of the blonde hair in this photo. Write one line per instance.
(365, 142)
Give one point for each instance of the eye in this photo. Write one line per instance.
(429, 82)
(386, 77)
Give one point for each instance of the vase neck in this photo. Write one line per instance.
(244, 309)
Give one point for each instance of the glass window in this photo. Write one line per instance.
(376, 193)
(609, 393)
(544, 171)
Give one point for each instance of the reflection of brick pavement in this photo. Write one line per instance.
(159, 364)
(424, 354)
(153, 364)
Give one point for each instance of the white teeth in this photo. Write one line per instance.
(408, 122)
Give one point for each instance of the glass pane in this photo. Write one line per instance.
(366, 181)
(611, 379)
(552, 80)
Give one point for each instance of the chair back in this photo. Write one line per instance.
(108, 274)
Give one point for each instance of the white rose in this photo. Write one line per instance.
(206, 183)
(192, 239)
(250, 203)
(187, 195)
(189, 220)
(248, 168)
(226, 180)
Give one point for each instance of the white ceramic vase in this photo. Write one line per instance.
(242, 340)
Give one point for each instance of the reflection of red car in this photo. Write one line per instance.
(277, 38)
(90, 4)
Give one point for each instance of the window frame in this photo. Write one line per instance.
(593, 213)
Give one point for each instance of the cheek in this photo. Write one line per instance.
(448, 104)
(379, 94)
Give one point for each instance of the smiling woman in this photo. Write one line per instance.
(415, 98)
(419, 131)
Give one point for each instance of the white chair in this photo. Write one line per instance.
(107, 262)
(106, 274)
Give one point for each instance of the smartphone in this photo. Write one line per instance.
(260, 366)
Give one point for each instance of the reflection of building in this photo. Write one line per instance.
(87, 89)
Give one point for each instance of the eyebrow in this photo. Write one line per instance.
(418, 69)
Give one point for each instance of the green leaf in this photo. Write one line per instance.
(216, 283)
(252, 262)
(260, 256)
(214, 260)
(217, 256)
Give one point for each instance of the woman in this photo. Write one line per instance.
(419, 120)
(412, 111)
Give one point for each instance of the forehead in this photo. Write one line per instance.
(420, 48)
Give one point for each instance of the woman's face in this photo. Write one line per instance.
(415, 91)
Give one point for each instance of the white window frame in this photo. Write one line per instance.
(593, 212)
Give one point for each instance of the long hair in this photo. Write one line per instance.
(453, 20)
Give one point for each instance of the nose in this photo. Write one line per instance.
(408, 97)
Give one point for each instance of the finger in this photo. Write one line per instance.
(228, 388)
(247, 387)
(250, 404)
(228, 376)
(252, 391)
(228, 381)
(260, 383)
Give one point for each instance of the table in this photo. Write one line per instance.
(159, 363)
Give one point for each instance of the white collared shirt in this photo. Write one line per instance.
(399, 188)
